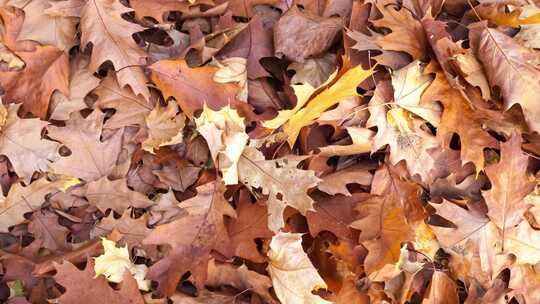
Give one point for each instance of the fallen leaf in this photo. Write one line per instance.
(224, 131)
(299, 34)
(22, 143)
(76, 283)
(91, 158)
(275, 178)
(111, 36)
(165, 127)
(114, 194)
(114, 262)
(46, 70)
(293, 275)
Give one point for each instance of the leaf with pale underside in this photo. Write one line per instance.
(409, 84)
(165, 126)
(275, 177)
(224, 131)
(406, 135)
(336, 183)
(293, 275)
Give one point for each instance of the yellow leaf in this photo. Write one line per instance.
(292, 273)
(344, 87)
(115, 261)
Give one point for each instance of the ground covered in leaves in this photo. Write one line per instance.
(269, 151)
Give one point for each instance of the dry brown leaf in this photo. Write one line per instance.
(293, 275)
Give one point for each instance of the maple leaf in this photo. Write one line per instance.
(510, 184)
(46, 70)
(224, 131)
(129, 108)
(115, 261)
(111, 36)
(90, 157)
(274, 177)
(293, 275)
(77, 282)
(507, 65)
(204, 230)
(26, 199)
(22, 143)
(164, 127)
(105, 194)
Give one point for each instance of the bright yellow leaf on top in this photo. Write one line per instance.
(344, 87)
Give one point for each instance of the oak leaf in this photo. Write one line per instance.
(91, 158)
(344, 86)
(253, 43)
(507, 65)
(193, 88)
(82, 81)
(250, 224)
(240, 278)
(165, 127)
(26, 199)
(129, 109)
(275, 178)
(77, 282)
(44, 226)
(46, 70)
(510, 183)
(114, 262)
(111, 36)
(133, 230)
(293, 275)
(59, 31)
(300, 34)
(224, 131)
(336, 183)
(22, 143)
(203, 231)
(114, 194)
